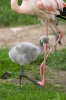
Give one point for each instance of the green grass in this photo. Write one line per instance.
(10, 18)
(30, 92)
(58, 61)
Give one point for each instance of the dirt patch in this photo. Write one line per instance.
(58, 78)
(11, 36)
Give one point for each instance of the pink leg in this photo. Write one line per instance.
(41, 69)
(42, 66)
(60, 37)
(60, 33)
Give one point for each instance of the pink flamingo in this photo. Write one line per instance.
(45, 11)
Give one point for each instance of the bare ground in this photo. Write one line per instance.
(11, 36)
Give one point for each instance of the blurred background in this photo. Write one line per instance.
(10, 18)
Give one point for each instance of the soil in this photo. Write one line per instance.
(10, 36)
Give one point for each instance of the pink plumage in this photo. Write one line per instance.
(51, 5)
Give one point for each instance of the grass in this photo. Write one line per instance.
(10, 18)
(30, 92)
(58, 61)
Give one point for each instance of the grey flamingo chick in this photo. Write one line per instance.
(25, 53)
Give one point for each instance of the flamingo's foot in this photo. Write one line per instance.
(42, 82)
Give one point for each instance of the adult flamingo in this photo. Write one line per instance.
(45, 11)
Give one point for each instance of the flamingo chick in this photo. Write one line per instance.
(25, 53)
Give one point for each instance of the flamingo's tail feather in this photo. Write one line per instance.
(62, 14)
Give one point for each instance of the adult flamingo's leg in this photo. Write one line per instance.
(43, 65)
(47, 55)
(60, 37)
